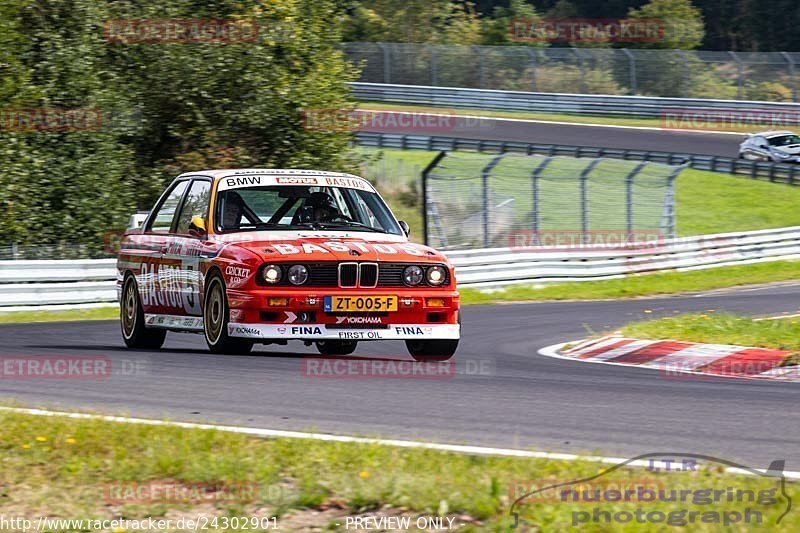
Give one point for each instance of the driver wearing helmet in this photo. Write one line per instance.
(232, 211)
(321, 207)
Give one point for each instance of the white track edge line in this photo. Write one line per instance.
(277, 433)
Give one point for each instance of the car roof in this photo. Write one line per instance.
(223, 173)
(772, 133)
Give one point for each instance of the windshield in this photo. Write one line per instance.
(784, 140)
(298, 207)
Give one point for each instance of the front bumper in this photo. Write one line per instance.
(316, 332)
(303, 316)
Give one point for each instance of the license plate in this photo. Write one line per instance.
(357, 303)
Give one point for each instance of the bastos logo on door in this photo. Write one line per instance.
(172, 287)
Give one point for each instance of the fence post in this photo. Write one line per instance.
(426, 171)
(387, 63)
(629, 198)
(535, 186)
(669, 201)
(792, 74)
(532, 53)
(688, 79)
(481, 69)
(485, 196)
(585, 199)
(632, 70)
(583, 69)
(739, 74)
(434, 66)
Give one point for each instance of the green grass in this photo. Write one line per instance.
(708, 202)
(67, 468)
(721, 328)
(99, 313)
(642, 285)
(547, 117)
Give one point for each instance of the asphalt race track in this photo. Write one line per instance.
(693, 142)
(520, 400)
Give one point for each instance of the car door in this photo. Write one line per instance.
(154, 290)
(759, 148)
(184, 251)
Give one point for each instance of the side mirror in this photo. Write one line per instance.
(198, 226)
(404, 227)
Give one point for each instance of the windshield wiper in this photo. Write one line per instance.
(344, 224)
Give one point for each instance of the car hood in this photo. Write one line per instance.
(333, 246)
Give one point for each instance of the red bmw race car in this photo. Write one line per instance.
(267, 256)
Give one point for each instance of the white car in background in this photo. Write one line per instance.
(777, 146)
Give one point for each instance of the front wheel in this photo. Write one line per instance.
(131, 318)
(215, 321)
(336, 347)
(436, 350)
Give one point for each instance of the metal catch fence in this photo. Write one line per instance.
(510, 200)
(761, 76)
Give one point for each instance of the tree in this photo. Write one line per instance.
(166, 107)
(497, 29)
(683, 23)
(413, 21)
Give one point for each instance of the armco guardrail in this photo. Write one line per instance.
(775, 172)
(476, 268)
(62, 282)
(577, 104)
(504, 266)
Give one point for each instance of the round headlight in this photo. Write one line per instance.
(412, 275)
(272, 273)
(436, 275)
(298, 274)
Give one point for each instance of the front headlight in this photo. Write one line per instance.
(412, 275)
(272, 273)
(298, 274)
(436, 275)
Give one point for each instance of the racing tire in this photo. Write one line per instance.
(216, 315)
(436, 350)
(131, 320)
(336, 347)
